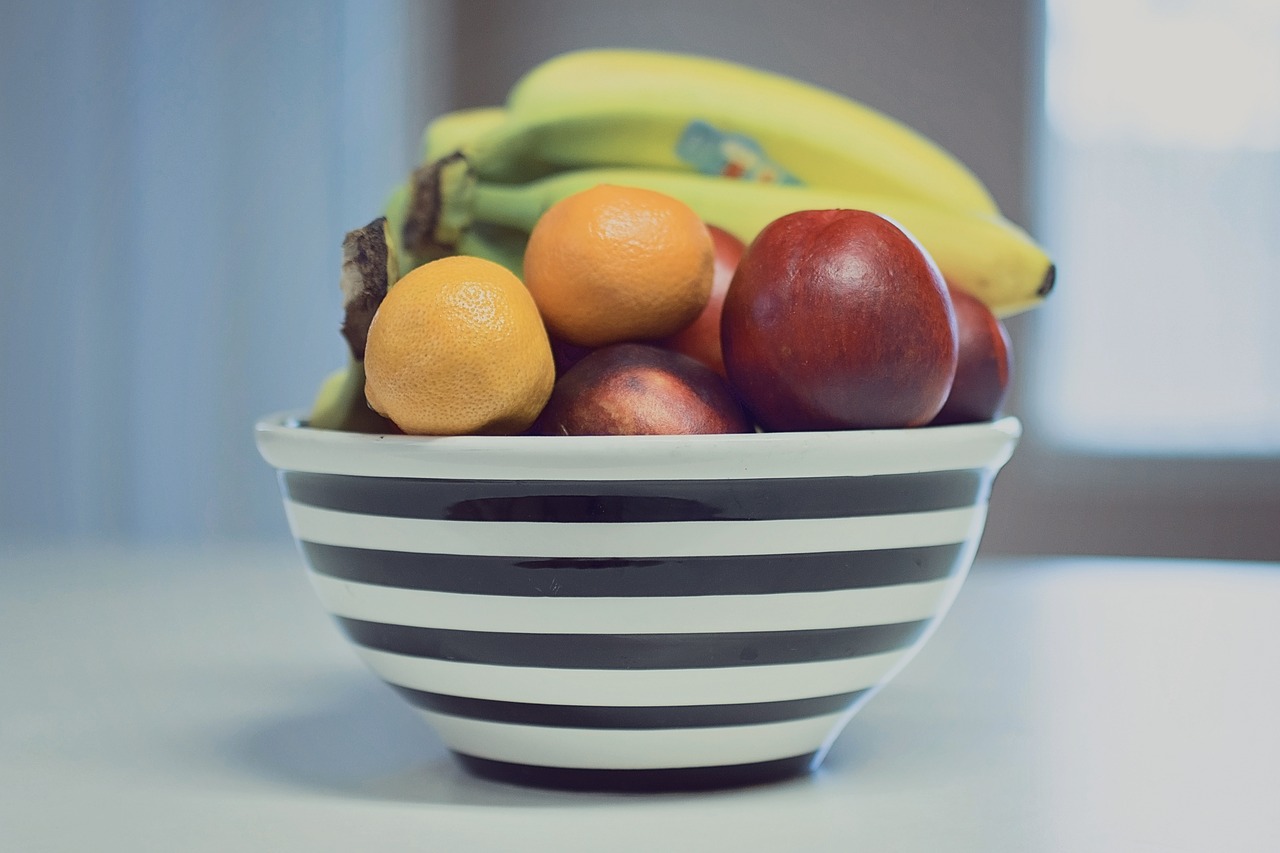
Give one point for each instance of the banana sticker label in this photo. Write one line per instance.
(712, 151)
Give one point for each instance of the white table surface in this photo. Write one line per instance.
(199, 700)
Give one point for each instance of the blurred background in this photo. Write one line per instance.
(175, 181)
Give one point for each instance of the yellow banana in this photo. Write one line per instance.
(444, 135)
(988, 256)
(422, 228)
(395, 210)
(598, 108)
(449, 132)
(340, 403)
(495, 243)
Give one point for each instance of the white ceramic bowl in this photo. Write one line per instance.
(638, 612)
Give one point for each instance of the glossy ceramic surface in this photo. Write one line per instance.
(638, 612)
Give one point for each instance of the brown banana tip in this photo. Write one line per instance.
(1046, 286)
(423, 209)
(419, 231)
(365, 256)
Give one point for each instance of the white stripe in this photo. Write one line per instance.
(633, 539)
(634, 749)
(795, 611)
(638, 457)
(635, 687)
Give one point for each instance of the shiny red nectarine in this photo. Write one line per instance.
(838, 319)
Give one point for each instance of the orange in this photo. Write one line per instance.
(457, 347)
(614, 263)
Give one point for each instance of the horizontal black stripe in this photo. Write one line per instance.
(665, 779)
(628, 717)
(639, 500)
(633, 651)
(587, 577)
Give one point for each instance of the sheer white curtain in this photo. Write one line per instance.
(175, 180)
(1151, 389)
(1162, 191)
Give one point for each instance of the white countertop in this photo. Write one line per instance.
(200, 700)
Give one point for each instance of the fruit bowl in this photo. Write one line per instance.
(638, 612)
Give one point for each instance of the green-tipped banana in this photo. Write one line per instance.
(423, 228)
(605, 108)
(445, 136)
(340, 403)
(986, 255)
(495, 243)
(449, 132)
(437, 228)
(396, 212)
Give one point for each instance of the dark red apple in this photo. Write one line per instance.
(641, 389)
(984, 365)
(701, 338)
(838, 319)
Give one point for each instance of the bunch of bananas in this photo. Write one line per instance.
(739, 145)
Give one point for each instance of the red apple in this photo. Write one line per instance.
(640, 389)
(984, 365)
(701, 338)
(839, 319)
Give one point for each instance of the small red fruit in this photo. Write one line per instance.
(984, 366)
(701, 338)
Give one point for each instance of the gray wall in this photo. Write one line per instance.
(176, 184)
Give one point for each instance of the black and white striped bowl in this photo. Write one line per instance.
(638, 612)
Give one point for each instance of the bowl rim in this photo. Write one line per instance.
(288, 444)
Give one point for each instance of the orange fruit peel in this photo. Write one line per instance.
(458, 347)
(614, 263)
